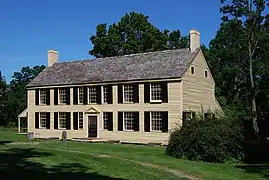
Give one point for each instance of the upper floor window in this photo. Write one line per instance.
(92, 95)
(205, 73)
(62, 96)
(155, 92)
(192, 70)
(43, 97)
(105, 94)
(80, 95)
(80, 120)
(42, 120)
(156, 121)
(128, 121)
(62, 120)
(128, 93)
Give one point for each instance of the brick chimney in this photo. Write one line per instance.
(53, 57)
(194, 40)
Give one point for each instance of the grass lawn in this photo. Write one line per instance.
(75, 160)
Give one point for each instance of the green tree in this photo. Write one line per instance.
(133, 34)
(3, 100)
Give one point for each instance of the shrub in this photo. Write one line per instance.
(213, 140)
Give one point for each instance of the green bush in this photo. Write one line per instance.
(211, 140)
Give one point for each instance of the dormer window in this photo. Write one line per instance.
(62, 96)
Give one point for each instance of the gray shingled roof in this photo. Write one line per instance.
(151, 65)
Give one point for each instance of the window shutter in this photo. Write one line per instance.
(37, 97)
(85, 95)
(110, 121)
(136, 92)
(146, 92)
(75, 120)
(37, 120)
(47, 96)
(68, 120)
(147, 121)
(184, 117)
(136, 121)
(55, 120)
(110, 94)
(164, 92)
(67, 96)
(165, 121)
(48, 120)
(120, 121)
(55, 96)
(120, 92)
(98, 95)
(75, 95)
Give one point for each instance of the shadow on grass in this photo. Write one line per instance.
(14, 165)
(4, 142)
(262, 169)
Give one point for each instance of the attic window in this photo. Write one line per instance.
(192, 70)
(205, 73)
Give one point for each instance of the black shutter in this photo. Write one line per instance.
(165, 121)
(75, 120)
(47, 96)
(55, 96)
(98, 95)
(37, 120)
(67, 96)
(184, 117)
(110, 121)
(75, 95)
(120, 92)
(110, 94)
(48, 120)
(136, 92)
(37, 97)
(55, 120)
(146, 92)
(136, 121)
(147, 121)
(164, 92)
(85, 95)
(120, 121)
(68, 120)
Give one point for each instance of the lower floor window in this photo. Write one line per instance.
(156, 121)
(62, 120)
(42, 119)
(128, 121)
(105, 120)
(187, 115)
(80, 120)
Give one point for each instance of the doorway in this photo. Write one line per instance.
(92, 126)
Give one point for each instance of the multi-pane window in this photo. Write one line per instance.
(156, 91)
(62, 120)
(42, 119)
(62, 96)
(105, 94)
(80, 95)
(188, 115)
(43, 98)
(156, 121)
(105, 120)
(92, 95)
(128, 93)
(128, 118)
(80, 120)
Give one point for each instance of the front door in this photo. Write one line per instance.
(92, 123)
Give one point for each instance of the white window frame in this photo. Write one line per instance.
(104, 121)
(59, 120)
(44, 113)
(79, 120)
(88, 99)
(80, 102)
(124, 128)
(59, 99)
(103, 95)
(40, 103)
(124, 101)
(150, 93)
(152, 123)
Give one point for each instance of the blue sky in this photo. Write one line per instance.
(29, 28)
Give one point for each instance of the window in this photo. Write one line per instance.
(80, 95)
(105, 95)
(205, 73)
(92, 95)
(155, 92)
(42, 119)
(43, 97)
(192, 70)
(128, 118)
(105, 120)
(128, 93)
(62, 120)
(156, 121)
(62, 96)
(188, 115)
(80, 120)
